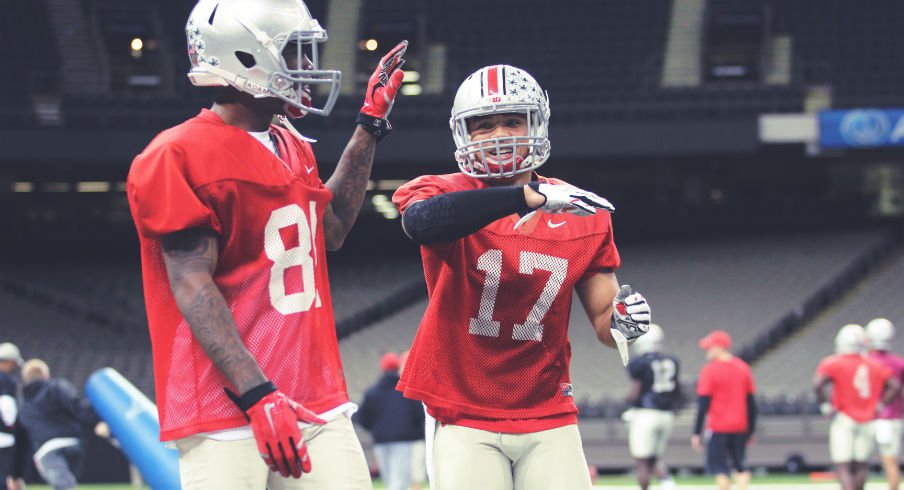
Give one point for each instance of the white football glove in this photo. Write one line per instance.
(570, 199)
(631, 313)
(567, 199)
(630, 319)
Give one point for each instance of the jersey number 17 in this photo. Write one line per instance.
(528, 262)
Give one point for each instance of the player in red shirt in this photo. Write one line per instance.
(725, 391)
(879, 335)
(234, 222)
(859, 384)
(503, 249)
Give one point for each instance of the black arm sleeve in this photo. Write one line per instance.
(702, 409)
(450, 216)
(751, 413)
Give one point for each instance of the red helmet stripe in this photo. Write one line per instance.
(493, 80)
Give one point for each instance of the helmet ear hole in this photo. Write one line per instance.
(246, 59)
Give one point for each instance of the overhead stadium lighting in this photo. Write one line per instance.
(92, 187)
(411, 89)
(412, 76)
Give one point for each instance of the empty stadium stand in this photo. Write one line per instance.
(601, 60)
(848, 46)
(30, 60)
(361, 351)
(790, 367)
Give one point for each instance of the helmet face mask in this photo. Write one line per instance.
(498, 90)
(245, 43)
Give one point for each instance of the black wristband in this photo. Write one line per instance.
(374, 125)
(252, 396)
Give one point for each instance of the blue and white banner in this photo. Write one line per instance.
(861, 128)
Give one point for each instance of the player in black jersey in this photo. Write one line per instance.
(654, 397)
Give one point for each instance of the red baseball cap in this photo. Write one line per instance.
(390, 362)
(715, 338)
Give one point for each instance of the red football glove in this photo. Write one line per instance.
(385, 83)
(274, 421)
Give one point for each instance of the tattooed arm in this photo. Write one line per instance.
(191, 258)
(348, 183)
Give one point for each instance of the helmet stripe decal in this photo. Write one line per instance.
(493, 80)
(503, 79)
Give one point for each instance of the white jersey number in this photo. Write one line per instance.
(491, 263)
(663, 375)
(283, 258)
(861, 382)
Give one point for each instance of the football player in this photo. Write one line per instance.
(879, 334)
(234, 222)
(503, 249)
(654, 397)
(860, 388)
(725, 400)
(10, 360)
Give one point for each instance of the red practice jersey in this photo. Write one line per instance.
(728, 383)
(492, 350)
(857, 384)
(267, 213)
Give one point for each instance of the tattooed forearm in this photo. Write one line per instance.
(348, 183)
(191, 258)
(189, 251)
(214, 328)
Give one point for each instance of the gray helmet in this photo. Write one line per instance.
(850, 339)
(879, 333)
(9, 352)
(241, 43)
(650, 341)
(500, 89)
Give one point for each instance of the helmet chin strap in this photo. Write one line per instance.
(284, 121)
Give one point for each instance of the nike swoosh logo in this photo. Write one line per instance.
(267, 408)
(309, 169)
(555, 225)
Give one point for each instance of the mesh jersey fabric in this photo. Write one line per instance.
(493, 342)
(268, 215)
(857, 384)
(658, 374)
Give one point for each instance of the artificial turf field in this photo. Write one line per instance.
(767, 482)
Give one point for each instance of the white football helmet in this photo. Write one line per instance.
(879, 334)
(241, 43)
(850, 339)
(650, 341)
(500, 89)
